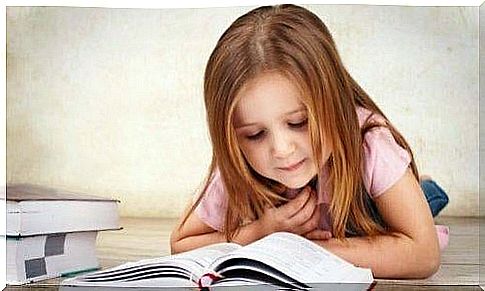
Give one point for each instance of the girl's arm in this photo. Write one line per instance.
(412, 251)
(300, 215)
(195, 233)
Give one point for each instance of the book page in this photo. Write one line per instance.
(300, 259)
(182, 269)
(245, 269)
(206, 255)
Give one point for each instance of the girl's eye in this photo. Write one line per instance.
(255, 136)
(298, 124)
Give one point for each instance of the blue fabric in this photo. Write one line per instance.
(435, 195)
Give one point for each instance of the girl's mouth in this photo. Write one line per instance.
(293, 167)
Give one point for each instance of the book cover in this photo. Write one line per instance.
(36, 210)
(35, 258)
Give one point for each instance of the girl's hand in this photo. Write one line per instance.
(300, 215)
(318, 234)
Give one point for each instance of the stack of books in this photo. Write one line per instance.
(51, 233)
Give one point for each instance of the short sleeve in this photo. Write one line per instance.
(385, 161)
(213, 205)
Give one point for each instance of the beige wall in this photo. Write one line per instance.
(109, 101)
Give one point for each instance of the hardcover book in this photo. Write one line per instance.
(40, 257)
(33, 210)
(282, 260)
(52, 232)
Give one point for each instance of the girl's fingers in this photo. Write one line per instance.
(299, 215)
(307, 211)
(318, 234)
(294, 206)
(311, 223)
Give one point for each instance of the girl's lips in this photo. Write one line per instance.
(292, 167)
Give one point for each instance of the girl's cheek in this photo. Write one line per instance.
(252, 152)
(257, 152)
(259, 155)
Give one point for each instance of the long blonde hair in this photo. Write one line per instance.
(295, 42)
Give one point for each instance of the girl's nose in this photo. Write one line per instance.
(283, 147)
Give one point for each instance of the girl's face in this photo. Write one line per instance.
(272, 129)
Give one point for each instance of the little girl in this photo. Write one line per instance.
(298, 146)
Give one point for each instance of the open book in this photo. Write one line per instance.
(281, 259)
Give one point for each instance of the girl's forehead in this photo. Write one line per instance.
(271, 95)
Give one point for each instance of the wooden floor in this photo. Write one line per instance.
(146, 238)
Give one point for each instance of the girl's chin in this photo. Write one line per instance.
(296, 184)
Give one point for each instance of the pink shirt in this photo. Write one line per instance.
(385, 163)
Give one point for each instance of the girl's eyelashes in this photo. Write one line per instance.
(298, 124)
(256, 136)
(260, 134)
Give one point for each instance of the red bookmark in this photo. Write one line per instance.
(207, 282)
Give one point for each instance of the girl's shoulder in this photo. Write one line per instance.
(365, 115)
(385, 161)
(213, 203)
(377, 136)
